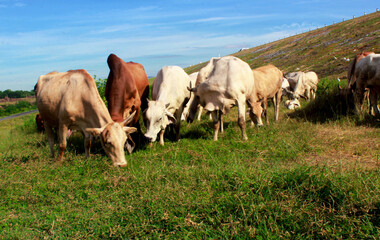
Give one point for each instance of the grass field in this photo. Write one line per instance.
(295, 179)
(315, 174)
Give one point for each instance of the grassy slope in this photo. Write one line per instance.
(294, 179)
(315, 50)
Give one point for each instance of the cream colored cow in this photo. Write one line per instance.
(70, 100)
(268, 85)
(229, 83)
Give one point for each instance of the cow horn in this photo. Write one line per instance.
(129, 119)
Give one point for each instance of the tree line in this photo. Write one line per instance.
(16, 94)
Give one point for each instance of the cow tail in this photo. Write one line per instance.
(351, 73)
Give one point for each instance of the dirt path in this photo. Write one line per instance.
(18, 115)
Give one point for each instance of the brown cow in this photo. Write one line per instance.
(70, 100)
(127, 90)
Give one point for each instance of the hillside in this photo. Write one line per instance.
(322, 50)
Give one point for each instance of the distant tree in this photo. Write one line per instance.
(101, 85)
(16, 94)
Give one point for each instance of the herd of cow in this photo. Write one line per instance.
(70, 100)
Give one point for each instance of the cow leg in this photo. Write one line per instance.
(358, 99)
(87, 143)
(277, 103)
(50, 136)
(221, 121)
(214, 115)
(266, 110)
(178, 114)
(200, 109)
(241, 118)
(162, 137)
(62, 134)
(373, 108)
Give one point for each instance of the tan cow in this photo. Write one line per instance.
(268, 85)
(169, 97)
(70, 100)
(230, 83)
(366, 74)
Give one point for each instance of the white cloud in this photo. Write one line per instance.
(19, 4)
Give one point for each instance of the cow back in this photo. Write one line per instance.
(127, 88)
(268, 81)
(70, 97)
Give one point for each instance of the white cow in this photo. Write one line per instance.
(193, 79)
(366, 74)
(230, 83)
(169, 97)
(70, 100)
(306, 84)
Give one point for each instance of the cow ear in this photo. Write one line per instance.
(129, 130)
(170, 117)
(129, 144)
(94, 131)
(129, 118)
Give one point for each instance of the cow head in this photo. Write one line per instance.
(113, 137)
(292, 104)
(157, 117)
(256, 110)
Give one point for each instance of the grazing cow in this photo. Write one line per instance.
(40, 123)
(169, 97)
(306, 84)
(127, 90)
(268, 85)
(366, 74)
(229, 83)
(351, 67)
(348, 92)
(70, 100)
(185, 113)
(292, 104)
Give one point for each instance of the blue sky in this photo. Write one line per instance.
(40, 36)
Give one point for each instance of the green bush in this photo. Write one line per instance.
(21, 106)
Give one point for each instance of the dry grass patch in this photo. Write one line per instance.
(346, 147)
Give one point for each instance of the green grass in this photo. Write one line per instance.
(263, 188)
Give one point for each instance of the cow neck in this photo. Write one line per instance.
(101, 114)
